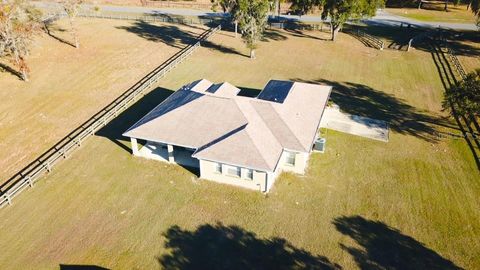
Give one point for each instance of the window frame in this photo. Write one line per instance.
(249, 174)
(237, 169)
(218, 168)
(290, 156)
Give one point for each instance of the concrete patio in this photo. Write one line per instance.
(159, 152)
(353, 124)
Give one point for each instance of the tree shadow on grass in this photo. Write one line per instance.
(168, 34)
(362, 100)
(462, 43)
(6, 68)
(303, 34)
(81, 267)
(49, 30)
(394, 37)
(232, 247)
(384, 247)
(173, 36)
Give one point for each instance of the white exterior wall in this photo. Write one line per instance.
(301, 162)
(259, 181)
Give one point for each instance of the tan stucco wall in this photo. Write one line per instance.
(301, 162)
(207, 171)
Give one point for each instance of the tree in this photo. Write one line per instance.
(228, 6)
(339, 11)
(19, 23)
(71, 8)
(253, 16)
(475, 8)
(465, 96)
(304, 6)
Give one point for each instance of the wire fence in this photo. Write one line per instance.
(60, 151)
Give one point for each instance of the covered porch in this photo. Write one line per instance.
(165, 153)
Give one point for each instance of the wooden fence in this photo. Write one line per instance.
(456, 63)
(367, 39)
(34, 171)
(176, 4)
(155, 18)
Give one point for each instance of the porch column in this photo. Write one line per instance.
(171, 158)
(134, 146)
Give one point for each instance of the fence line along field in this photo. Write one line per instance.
(69, 85)
(64, 148)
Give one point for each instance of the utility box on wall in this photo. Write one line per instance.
(320, 145)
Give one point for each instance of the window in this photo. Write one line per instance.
(249, 174)
(290, 158)
(218, 168)
(233, 171)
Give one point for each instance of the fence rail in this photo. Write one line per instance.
(153, 18)
(30, 174)
(367, 38)
(456, 63)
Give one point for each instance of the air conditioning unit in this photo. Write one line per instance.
(319, 145)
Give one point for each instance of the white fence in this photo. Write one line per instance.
(30, 174)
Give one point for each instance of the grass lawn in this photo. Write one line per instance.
(67, 85)
(409, 203)
(458, 14)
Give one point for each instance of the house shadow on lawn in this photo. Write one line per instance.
(362, 100)
(384, 247)
(232, 247)
(115, 128)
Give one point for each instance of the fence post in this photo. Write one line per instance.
(47, 166)
(29, 180)
(9, 200)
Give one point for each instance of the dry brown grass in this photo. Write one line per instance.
(68, 86)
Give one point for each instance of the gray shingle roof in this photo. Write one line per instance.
(224, 127)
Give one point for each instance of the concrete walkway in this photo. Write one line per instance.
(366, 127)
(382, 18)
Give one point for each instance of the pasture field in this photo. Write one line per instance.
(410, 203)
(436, 13)
(69, 85)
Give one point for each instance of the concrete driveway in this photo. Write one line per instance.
(366, 127)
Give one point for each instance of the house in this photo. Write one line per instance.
(233, 139)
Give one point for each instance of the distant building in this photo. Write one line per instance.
(234, 139)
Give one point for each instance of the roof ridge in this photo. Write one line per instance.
(283, 121)
(263, 122)
(258, 150)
